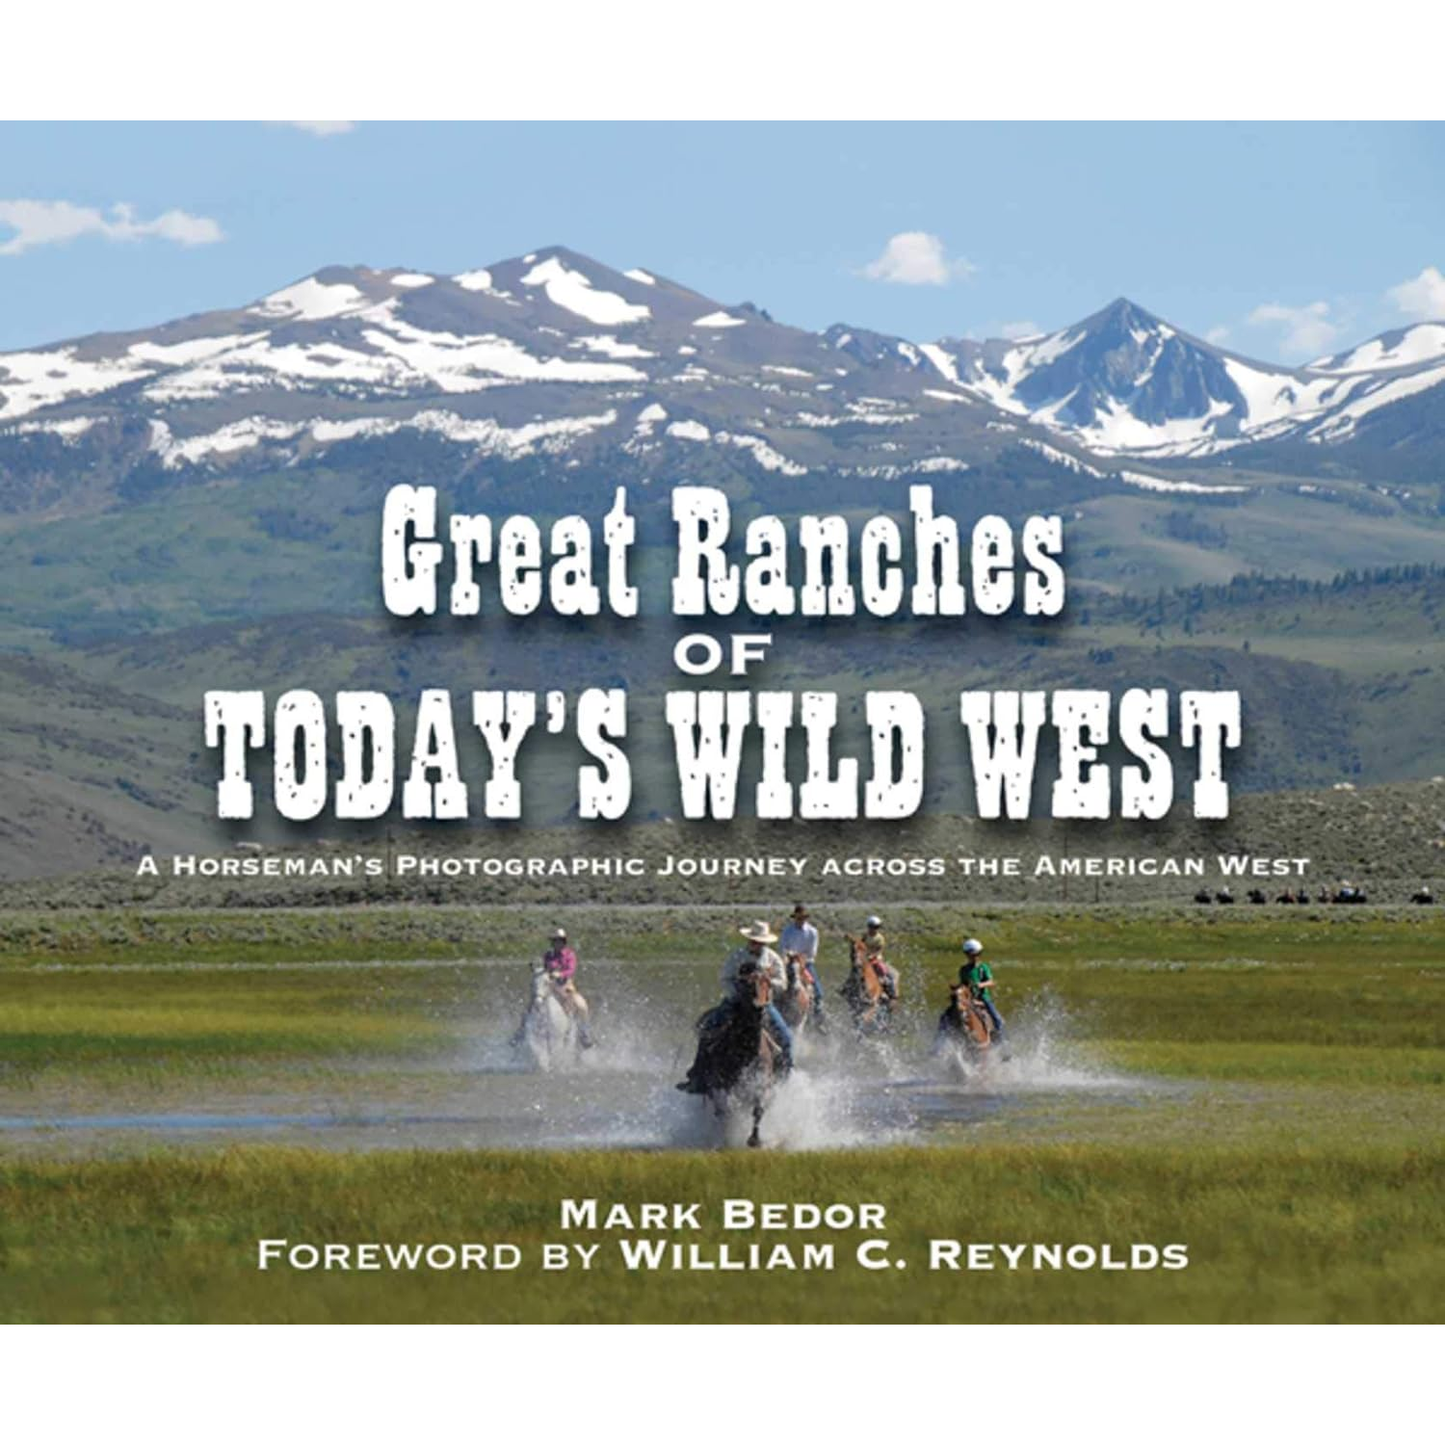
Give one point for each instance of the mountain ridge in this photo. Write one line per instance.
(555, 354)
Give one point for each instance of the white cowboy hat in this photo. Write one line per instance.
(759, 932)
(972, 945)
(873, 921)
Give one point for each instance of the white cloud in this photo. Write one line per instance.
(52, 223)
(321, 127)
(1422, 299)
(1217, 335)
(1018, 330)
(916, 258)
(1304, 331)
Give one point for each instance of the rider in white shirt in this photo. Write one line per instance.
(801, 937)
(762, 957)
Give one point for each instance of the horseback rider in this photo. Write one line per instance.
(801, 937)
(977, 977)
(559, 961)
(738, 971)
(873, 945)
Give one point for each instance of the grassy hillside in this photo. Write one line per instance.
(115, 622)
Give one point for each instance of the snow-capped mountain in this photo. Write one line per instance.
(547, 354)
(553, 354)
(1124, 382)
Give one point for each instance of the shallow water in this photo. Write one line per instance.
(843, 1094)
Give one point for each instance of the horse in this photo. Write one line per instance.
(738, 1061)
(868, 1001)
(965, 1024)
(549, 1031)
(796, 1003)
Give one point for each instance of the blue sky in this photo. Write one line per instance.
(1282, 241)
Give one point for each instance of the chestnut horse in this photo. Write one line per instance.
(796, 1004)
(868, 1002)
(965, 1023)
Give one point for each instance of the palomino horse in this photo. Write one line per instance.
(868, 1001)
(738, 1061)
(965, 1024)
(549, 1031)
(796, 1003)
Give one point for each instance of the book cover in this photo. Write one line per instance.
(655, 723)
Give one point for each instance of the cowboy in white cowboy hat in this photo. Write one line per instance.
(757, 938)
(752, 955)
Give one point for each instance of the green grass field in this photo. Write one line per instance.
(1274, 1103)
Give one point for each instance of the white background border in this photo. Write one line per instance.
(748, 59)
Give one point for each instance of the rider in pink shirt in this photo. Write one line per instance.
(559, 960)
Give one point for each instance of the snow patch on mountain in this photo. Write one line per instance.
(947, 367)
(70, 430)
(312, 300)
(572, 291)
(1062, 459)
(1160, 484)
(641, 277)
(1341, 422)
(939, 464)
(471, 363)
(411, 280)
(484, 435)
(718, 319)
(184, 353)
(235, 437)
(1117, 430)
(611, 346)
(1409, 347)
(474, 280)
(33, 380)
(764, 455)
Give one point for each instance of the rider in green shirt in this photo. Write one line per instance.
(977, 977)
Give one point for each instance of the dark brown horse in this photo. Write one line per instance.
(738, 1061)
(868, 1001)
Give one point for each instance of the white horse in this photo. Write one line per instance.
(549, 1032)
